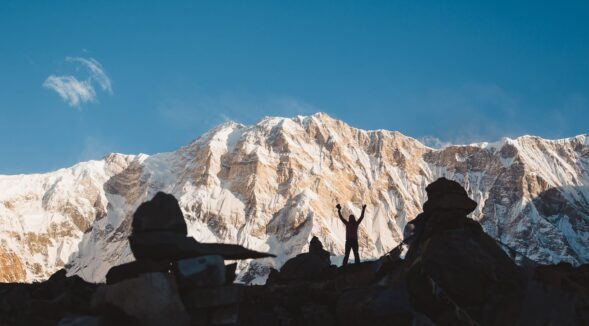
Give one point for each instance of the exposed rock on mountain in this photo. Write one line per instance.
(271, 187)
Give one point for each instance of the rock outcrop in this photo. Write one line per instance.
(305, 266)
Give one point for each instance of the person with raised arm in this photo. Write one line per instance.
(351, 233)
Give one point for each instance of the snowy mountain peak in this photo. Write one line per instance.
(273, 185)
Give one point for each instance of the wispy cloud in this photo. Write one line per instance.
(76, 91)
(71, 90)
(96, 71)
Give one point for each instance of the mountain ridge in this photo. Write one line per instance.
(271, 186)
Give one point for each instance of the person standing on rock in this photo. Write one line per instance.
(351, 233)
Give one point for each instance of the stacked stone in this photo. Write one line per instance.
(175, 279)
(455, 272)
(306, 266)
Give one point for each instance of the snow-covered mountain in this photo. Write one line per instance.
(273, 185)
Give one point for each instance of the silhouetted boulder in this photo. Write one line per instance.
(305, 266)
(316, 248)
(357, 275)
(456, 266)
(374, 305)
(162, 213)
(213, 305)
(152, 299)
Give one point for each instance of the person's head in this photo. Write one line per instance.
(352, 218)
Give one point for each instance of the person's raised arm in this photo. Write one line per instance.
(362, 215)
(339, 213)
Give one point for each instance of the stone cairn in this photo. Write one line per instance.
(175, 279)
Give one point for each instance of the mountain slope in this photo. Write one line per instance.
(273, 185)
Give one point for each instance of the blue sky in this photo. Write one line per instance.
(149, 76)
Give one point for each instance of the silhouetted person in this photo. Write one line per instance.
(351, 233)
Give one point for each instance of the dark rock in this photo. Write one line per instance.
(316, 315)
(151, 298)
(169, 246)
(82, 321)
(563, 275)
(458, 274)
(44, 303)
(225, 315)
(316, 248)
(200, 272)
(162, 213)
(212, 297)
(374, 306)
(557, 294)
(357, 275)
(134, 269)
(548, 305)
(305, 266)
(230, 274)
(444, 194)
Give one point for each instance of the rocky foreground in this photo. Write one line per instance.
(452, 274)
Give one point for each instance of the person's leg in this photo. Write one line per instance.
(356, 253)
(347, 255)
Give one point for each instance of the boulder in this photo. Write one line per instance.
(230, 274)
(151, 298)
(305, 266)
(316, 315)
(162, 213)
(316, 248)
(200, 272)
(374, 305)
(212, 297)
(457, 273)
(356, 275)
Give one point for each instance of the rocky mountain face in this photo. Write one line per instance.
(273, 186)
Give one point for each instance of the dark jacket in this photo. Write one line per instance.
(351, 226)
